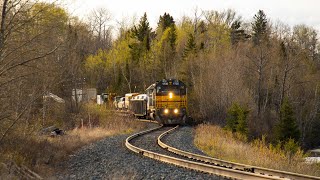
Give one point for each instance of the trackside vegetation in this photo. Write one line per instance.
(257, 79)
(224, 144)
(43, 153)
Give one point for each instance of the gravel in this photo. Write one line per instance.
(106, 160)
(182, 139)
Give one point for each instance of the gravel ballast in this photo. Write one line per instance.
(110, 159)
(182, 139)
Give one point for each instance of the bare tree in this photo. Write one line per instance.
(98, 20)
(24, 56)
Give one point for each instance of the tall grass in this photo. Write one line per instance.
(222, 144)
(43, 153)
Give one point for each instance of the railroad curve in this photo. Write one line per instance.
(198, 165)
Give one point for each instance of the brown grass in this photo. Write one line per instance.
(222, 144)
(43, 153)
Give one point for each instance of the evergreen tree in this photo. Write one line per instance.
(237, 34)
(165, 21)
(167, 52)
(191, 46)
(242, 126)
(287, 127)
(172, 37)
(237, 119)
(202, 29)
(259, 27)
(143, 32)
(232, 117)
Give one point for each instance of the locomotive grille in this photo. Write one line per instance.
(175, 102)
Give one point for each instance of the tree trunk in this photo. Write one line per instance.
(3, 20)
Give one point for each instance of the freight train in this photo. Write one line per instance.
(165, 101)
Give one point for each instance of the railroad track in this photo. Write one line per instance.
(208, 164)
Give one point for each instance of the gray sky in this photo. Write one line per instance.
(290, 12)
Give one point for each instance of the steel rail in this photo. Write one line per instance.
(233, 165)
(221, 171)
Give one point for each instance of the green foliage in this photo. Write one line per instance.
(191, 46)
(167, 33)
(237, 34)
(287, 127)
(169, 38)
(165, 21)
(172, 37)
(259, 27)
(143, 32)
(237, 119)
(95, 67)
(95, 61)
(197, 50)
(49, 15)
(166, 51)
(287, 149)
(290, 146)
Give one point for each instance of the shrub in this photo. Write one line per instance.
(287, 127)
(237, 119)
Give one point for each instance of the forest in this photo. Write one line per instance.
(258, 77)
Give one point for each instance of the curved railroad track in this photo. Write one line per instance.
(204, 163)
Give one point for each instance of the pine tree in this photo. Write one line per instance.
(143, 32)
(287, 127)
(232, 119)
(259, 27)
(191, 46)
(237, 119)
(242, 126)
(165, 21)
(237, 34)
(173, 37)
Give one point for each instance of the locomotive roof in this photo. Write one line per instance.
(166, 82)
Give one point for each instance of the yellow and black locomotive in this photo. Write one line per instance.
(167, 101)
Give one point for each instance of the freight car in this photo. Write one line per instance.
(139, 105)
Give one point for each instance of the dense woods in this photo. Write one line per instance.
(258, 77)
(269, 70)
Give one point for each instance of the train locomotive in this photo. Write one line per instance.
(165, 101)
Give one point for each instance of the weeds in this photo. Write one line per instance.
(43, 153)
(223, 144)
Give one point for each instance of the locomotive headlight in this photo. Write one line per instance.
(170, 95)
(176, 111)
(166, 111)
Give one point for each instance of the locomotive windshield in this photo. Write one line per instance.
(164, 87)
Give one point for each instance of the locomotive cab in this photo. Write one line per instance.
(170, 101)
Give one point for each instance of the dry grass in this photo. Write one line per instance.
(222, 144)
(43, 153)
